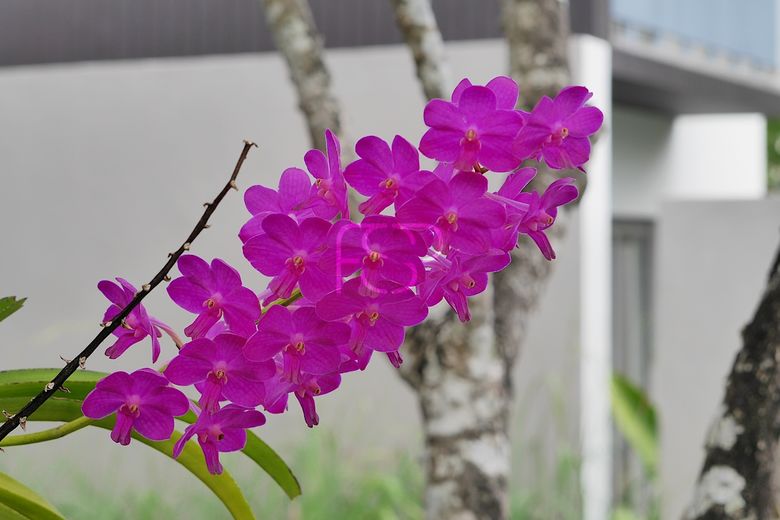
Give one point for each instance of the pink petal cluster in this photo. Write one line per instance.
(143, 401)
(338, 289)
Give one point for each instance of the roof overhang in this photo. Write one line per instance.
(676, 80)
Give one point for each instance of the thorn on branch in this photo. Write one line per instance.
(250, 143)
(206, 226)
(65, 360)
(186, 246)
(23, 423)
(64, 389)
(83, 362)
(206, 204)
(167, 278)
(146, 287)
(234, 185)
(7, 415)
(49, 387)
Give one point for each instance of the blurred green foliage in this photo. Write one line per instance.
(773, 154)
(337, 485)
(636, 419)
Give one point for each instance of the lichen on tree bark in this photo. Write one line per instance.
(298, 40)
(738, 477)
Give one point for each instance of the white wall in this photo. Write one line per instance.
(712, 262)
(659, 157)
(688, 174)
(103, 169)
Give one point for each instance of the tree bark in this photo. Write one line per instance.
(296, 36)
(737, 478)
(418, 26)
(458, 375)
(537, 34)
(462, 372)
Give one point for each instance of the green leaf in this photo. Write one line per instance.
(272, 463)
(19, 386)
(10, 305)
(635, 418)
(27, 382)
(191, 457)
(19, 501)
(223, 486)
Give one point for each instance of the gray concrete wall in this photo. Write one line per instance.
(712, 261)
(104, 168)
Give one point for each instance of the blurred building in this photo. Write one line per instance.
(674, 236)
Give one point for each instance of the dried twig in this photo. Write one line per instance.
(80, 360)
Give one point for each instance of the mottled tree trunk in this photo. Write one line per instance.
(537, 32)
(455, 368)
(458, 375)
(462, 372)
(737, 479)
(298, 40)
(418, 25)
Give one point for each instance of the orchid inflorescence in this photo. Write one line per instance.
(341, 289)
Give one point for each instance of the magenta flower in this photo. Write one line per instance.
(222, 431)
(138, 324)
(542, 211)
(457, 278)
(142, 401)
(472, 131)
(511, 195)
(221, 371)
(378, 320)
(380, 248)
(461, 215)
(558, 130)
(503, 87)
(310, 387)
(213, 293)
(329, 183)
(307, 343)
(293, 198)
(385, 176)
(290, 252)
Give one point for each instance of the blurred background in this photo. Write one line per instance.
(119, 118)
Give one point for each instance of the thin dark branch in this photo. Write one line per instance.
(109, 327)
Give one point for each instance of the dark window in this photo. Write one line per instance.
(632, 268)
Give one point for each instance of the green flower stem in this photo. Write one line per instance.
(47, 435)
(284, 302)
